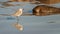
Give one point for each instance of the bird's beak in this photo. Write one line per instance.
(23, 9)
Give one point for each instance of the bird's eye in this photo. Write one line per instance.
(23, 9)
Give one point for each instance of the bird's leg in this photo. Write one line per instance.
(17, 19)
(18, 26)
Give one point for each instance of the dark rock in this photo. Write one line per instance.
(43, 10)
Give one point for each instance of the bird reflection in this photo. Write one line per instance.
(19, 26)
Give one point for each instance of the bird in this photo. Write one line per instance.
(16, 14)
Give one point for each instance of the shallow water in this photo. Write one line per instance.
(32, 24)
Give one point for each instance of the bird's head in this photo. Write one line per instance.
(20, 9)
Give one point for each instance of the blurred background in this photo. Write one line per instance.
(32, 24)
